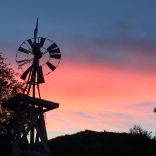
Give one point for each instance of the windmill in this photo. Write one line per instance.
(36, 57)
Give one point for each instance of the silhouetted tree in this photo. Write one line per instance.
(9, 87)
(140, 131)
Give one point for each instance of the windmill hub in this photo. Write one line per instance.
(37, 50)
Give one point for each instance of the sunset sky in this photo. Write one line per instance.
(107, 76)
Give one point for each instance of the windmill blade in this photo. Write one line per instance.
(52, 46)
(30, 42)
(51, 66)
(54, 51)
(40, 77)
(23, 61)
(42, 40)
(56, 56)
(21, 49)
(24, 75)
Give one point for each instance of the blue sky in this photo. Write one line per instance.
(89, 24)
(69, 18)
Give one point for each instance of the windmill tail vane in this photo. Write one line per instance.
(36, 29)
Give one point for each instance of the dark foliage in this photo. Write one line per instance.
(9, 87)
(90, 143)
(138, 130)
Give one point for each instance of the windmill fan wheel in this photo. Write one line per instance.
(49, 56)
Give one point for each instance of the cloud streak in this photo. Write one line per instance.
(131, 54)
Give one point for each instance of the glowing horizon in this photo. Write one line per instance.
(99, 98)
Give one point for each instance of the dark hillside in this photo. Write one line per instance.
(90, 143)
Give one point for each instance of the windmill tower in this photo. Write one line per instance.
(37, 57)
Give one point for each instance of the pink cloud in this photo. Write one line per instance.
(95, 91)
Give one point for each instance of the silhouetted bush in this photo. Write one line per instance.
(140, 131)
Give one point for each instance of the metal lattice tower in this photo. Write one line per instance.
(37, 57)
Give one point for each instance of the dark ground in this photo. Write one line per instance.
(90, 143)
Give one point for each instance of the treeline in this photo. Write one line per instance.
(90, 143)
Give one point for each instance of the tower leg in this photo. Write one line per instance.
(29, 132)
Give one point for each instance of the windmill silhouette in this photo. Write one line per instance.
(37, 57)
